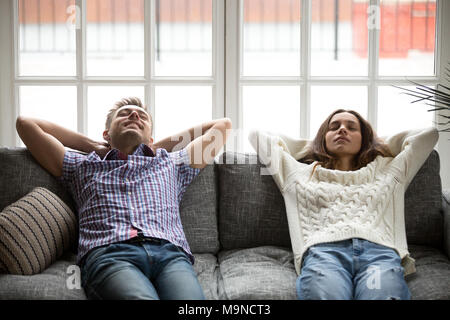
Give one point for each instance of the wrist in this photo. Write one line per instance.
(89, 145)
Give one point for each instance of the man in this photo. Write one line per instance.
(127, 192)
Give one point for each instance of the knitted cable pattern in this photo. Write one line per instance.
(329, 207)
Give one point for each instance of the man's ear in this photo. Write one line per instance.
(106, 136)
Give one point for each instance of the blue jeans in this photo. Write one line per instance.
(142, 270)
(351, 269)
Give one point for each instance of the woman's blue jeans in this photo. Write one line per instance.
(142, 270)
(351, 269)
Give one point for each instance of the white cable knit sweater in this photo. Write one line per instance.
(333, 205)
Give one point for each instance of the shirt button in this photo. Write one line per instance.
(129, 193)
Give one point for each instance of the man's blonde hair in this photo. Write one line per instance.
(134, 101)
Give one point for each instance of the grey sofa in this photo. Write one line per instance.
(234, 219)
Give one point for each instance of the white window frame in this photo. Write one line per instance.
(7, 119)
(235, 81)
(227, 103)
(149, 81)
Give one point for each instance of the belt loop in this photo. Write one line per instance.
(357, 246)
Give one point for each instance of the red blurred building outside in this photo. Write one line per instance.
(405, 24)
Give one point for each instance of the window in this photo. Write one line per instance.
(293, 62)
(46, 47)
(289, 63)
(75, 58)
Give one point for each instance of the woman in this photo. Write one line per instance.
(344, 196)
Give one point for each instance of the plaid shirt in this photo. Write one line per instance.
(116, 198)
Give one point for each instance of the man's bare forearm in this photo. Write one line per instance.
(183, 138)
(68, 138)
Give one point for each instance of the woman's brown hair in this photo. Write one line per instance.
(371, 145)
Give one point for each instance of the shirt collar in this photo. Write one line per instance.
(141, 150)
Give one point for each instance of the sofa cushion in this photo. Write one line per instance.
(251, 208)
(432, 277)
(60, 281)
(23, 174)
(252, 211)
(257, 273)
(423, 203)
(34, 232)
(198, 211)
(207, 270)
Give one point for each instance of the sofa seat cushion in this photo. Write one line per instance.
(60, 281)
(432, 279)
(261, 273)
(207, 270)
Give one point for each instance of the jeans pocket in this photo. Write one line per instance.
(93, 255)
(172, 247)
(89, 264)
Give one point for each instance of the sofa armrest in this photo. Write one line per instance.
(446, 212)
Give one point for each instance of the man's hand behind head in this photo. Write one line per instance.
(102, 148)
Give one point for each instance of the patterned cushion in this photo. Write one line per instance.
(257, 273)
(252, 210)
(34, 232)
(198, 213)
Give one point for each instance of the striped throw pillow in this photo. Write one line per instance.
(34, 232)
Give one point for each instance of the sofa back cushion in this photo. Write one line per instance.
(423, 203)
(251, 208)
(198, 211)
(20, 173)
(252, 211)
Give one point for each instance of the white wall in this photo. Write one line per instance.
(7, 125)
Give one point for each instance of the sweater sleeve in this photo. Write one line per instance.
(412, 149)
(279, 153)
